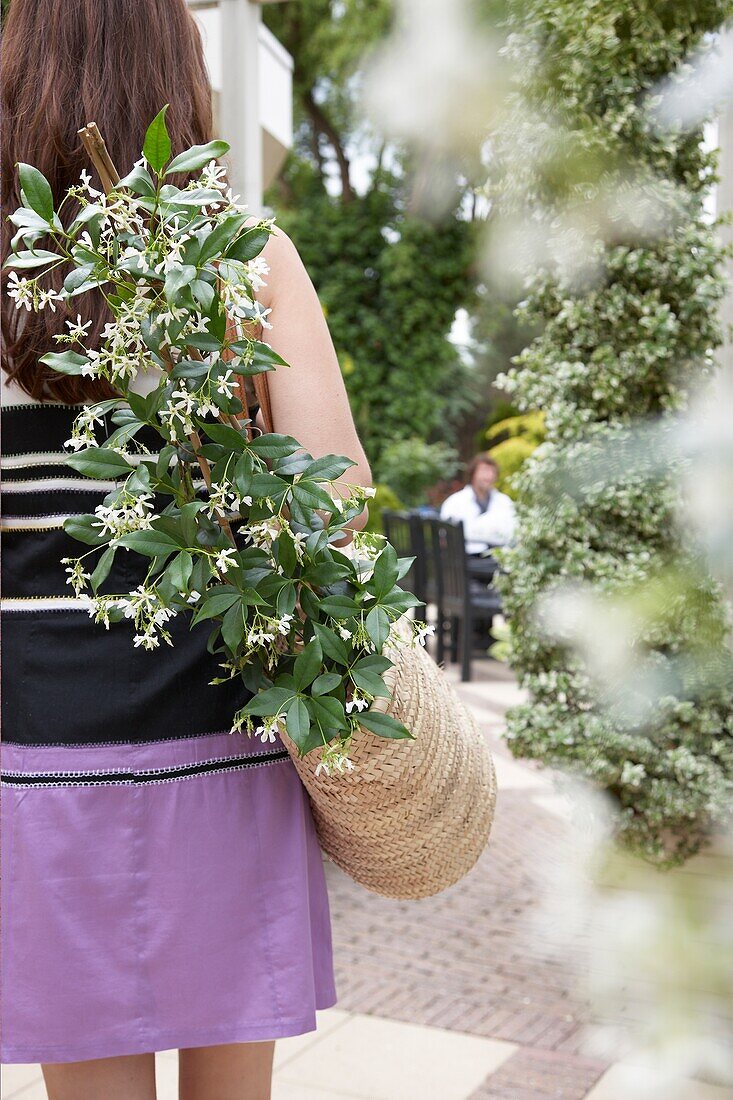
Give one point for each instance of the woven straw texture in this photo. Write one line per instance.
(414, 815)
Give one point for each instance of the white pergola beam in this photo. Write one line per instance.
(238, 62)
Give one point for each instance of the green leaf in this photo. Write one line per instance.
(192, 369)
(290, 465)
(264, 357)
(83, 530)
(326, 682)
(400, 600)
(243, 474)
(385, 573)
(65, 362)
(328, 468)
(384, 725)
(216, 601)
(217, 240)
(157, 145)
(248, 245)
(309, 603)
(179, 570)
(298, 722)
(232, 627)
(374, 662)
(327, 572)
(151, 543)
(103, 566)
(204, 341)
(333, 646)
(229, 437)
(78, 277)
(204, 294)
(339, 607)
(177, 278)
(370, 682)
(310, 495)
(274, 445)
(28, 220)
(36, 191)
(138, 180)
(308, 664)
(269, 702)
(21, 261)
(268, 485)
(99, 462)
(377, 626)
(328, 711)
(171, 197)
(198, 156)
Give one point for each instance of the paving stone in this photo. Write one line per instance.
(473, 959)
(533, 1074)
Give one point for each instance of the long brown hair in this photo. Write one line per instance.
(66, 63)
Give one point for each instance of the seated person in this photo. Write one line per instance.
(487, 514)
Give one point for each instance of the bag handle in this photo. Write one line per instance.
(261, 386)
(262, 393)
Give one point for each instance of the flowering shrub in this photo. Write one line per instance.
(626, 337)
(238, 528)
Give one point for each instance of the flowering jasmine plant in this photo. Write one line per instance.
(235, 527)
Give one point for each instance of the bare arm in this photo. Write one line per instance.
(308, 397)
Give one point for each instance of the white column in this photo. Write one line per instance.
(724, 204)
(238, 103)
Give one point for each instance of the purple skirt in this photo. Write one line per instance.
(161, 883)
(158, 895)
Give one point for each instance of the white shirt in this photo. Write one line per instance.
(494, 525)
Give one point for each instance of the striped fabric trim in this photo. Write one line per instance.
(130, 778)
(34, 523)
(54, 458)
(45, 603)
(59, 484)
(33, 458)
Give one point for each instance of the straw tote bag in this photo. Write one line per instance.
(414, 815)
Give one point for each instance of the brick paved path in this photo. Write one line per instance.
(470, 958)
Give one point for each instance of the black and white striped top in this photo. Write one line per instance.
(67, 679)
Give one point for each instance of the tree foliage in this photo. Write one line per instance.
(390, 282)
(630, 342)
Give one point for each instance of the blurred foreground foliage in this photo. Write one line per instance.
(628, 334)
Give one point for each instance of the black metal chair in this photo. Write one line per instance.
(461, 599)
(399, 527)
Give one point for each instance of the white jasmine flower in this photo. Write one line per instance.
(129, 514)
(299, 540)
(48, 298)
(264, 532)
(21, 290)
(269, 730)
(225, 559)
(357, 703)
(256, 270)
(82, 430)
(422, 634)
(333, 760)
(77, 331)
(77, 577)
(227, 384)
(86, 183)
(213, 176)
